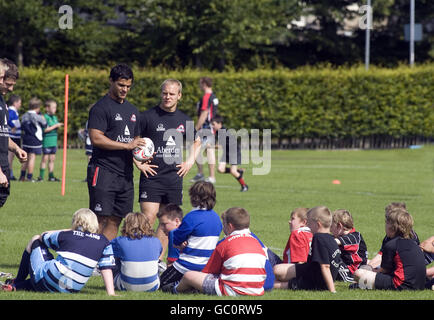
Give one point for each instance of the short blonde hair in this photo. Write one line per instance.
(321, 214)
(85, 220)
(172, 81)
(301, 213)
(343, 217)
(401, 222)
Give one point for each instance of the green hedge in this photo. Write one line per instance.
(320, 103)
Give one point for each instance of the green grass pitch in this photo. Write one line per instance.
(370, 179)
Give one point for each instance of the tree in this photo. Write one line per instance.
(205, 33)
(30, 32)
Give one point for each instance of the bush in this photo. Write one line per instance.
(315, 104)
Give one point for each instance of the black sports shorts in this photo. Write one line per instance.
(384, 282)
(4, 192)
(231, 158)
(149, 193)
(109, 193)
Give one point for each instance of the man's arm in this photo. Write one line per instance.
(185, 167)
(99, 140)
(201, 120)
(20, 153)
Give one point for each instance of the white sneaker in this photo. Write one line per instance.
(210, 179)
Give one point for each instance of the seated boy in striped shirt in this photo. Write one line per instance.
(79, 250)
(197, 235)
(136, 253)
(237, 265)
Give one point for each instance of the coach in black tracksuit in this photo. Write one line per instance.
(114, 131)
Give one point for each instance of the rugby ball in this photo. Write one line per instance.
(145, 152)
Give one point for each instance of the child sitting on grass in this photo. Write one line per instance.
(298, 245)
(323, 263)
(402, 263)
(237, 265)
(353, 248)
(136, 253)
(79, 250)
(197, 236)
(170, 218)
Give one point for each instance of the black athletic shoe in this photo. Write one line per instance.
(170, 287)
(53, 179)
(244, 188)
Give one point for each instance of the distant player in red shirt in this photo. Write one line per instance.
(237, 265)
(299, 241)
(206, 110)
(402, 264)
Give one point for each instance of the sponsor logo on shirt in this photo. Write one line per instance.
(160, 127)
(133, 118)
(98, 207)
(181, 128)
(118, 117)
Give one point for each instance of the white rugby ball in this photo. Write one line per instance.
(145, 152)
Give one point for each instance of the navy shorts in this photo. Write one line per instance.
(148, 193)
(170, 275)
(109, 193)
(35, 150)
(39, 256)
(49, 150)
(231, 158)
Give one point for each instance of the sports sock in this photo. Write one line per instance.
(51, 175)
(241, 181)
(29, 176)
(42, 173)
(23, 173)
(23, 270)
(227, 170)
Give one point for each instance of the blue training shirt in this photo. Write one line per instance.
(138, 263)
(201, 229)
(78, 253)
(172, 252)
(14, 122)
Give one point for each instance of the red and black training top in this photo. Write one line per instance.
(404, 261)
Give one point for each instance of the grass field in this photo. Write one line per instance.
(370, 179)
